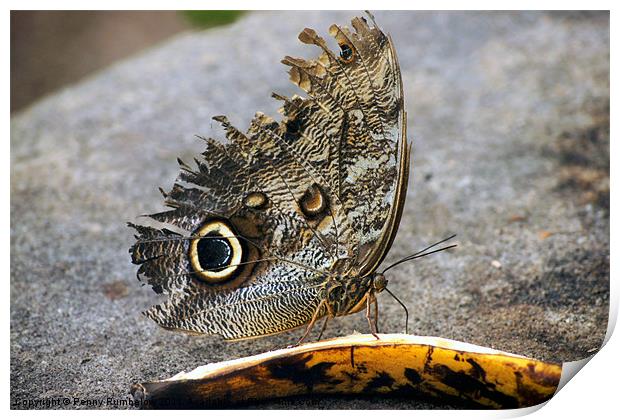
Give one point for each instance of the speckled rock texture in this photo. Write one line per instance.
(509, 115)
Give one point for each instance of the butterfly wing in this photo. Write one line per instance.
(259, 225)
(356, 101)
(243, 193)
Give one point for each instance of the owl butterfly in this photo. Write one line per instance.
(287, 223)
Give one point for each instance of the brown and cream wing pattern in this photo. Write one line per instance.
(357, 93)
(260, 223)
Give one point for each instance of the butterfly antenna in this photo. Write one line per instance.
(404, 307)
(420, 254)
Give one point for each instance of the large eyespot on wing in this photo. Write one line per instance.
(215, 256)
(218, 255)
(207, 295)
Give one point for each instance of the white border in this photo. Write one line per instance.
(593, 394)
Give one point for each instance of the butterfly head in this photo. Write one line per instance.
(379, 282)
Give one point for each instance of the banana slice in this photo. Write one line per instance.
(404, 365)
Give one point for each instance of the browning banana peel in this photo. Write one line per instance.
(360, 364)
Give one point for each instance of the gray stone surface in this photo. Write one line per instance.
(509, 114)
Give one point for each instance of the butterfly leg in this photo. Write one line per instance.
(376, 304)
(371, 324)
(311, 324)
(323, 328)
